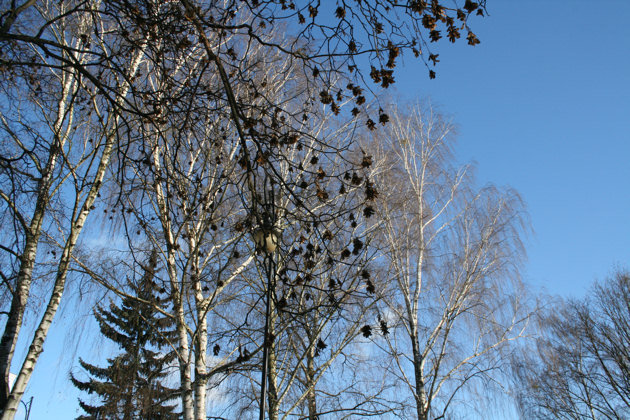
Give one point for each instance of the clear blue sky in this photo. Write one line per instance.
(543, 105)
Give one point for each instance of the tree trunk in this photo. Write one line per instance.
(310, 376)
(420, 395)
(183, 354)
(188, 412)
(27, 259)
(201, 345)
(16, 314)
(10, 336)
(41, 332)
(37, 344)
(272, 379)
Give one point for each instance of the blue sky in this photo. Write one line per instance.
(542, 105)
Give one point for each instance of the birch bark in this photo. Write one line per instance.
(82, 208)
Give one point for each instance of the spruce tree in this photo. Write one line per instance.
(130, 386)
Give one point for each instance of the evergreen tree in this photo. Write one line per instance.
(130, 387)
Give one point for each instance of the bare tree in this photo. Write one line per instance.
(57, 55)
(53, 165)
(179, 194)
(451, 254)
(578, 367)
(321, 275)
(188, 193)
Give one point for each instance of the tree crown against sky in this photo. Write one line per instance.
(578, 366)
(95, 78)
(518, 116)
(451, 254)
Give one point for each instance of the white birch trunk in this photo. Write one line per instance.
(36, 347)
(188, 412)
(201, 364)
(32, 234)
(177, 295)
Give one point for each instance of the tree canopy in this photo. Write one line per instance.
(578, 366)
(189, 124)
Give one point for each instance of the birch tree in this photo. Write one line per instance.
(54, 162)
(322, 290)
(452, 254)
(179, 196)
(324, 52)
(194, 195)
(184, 192)
(91, 51)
